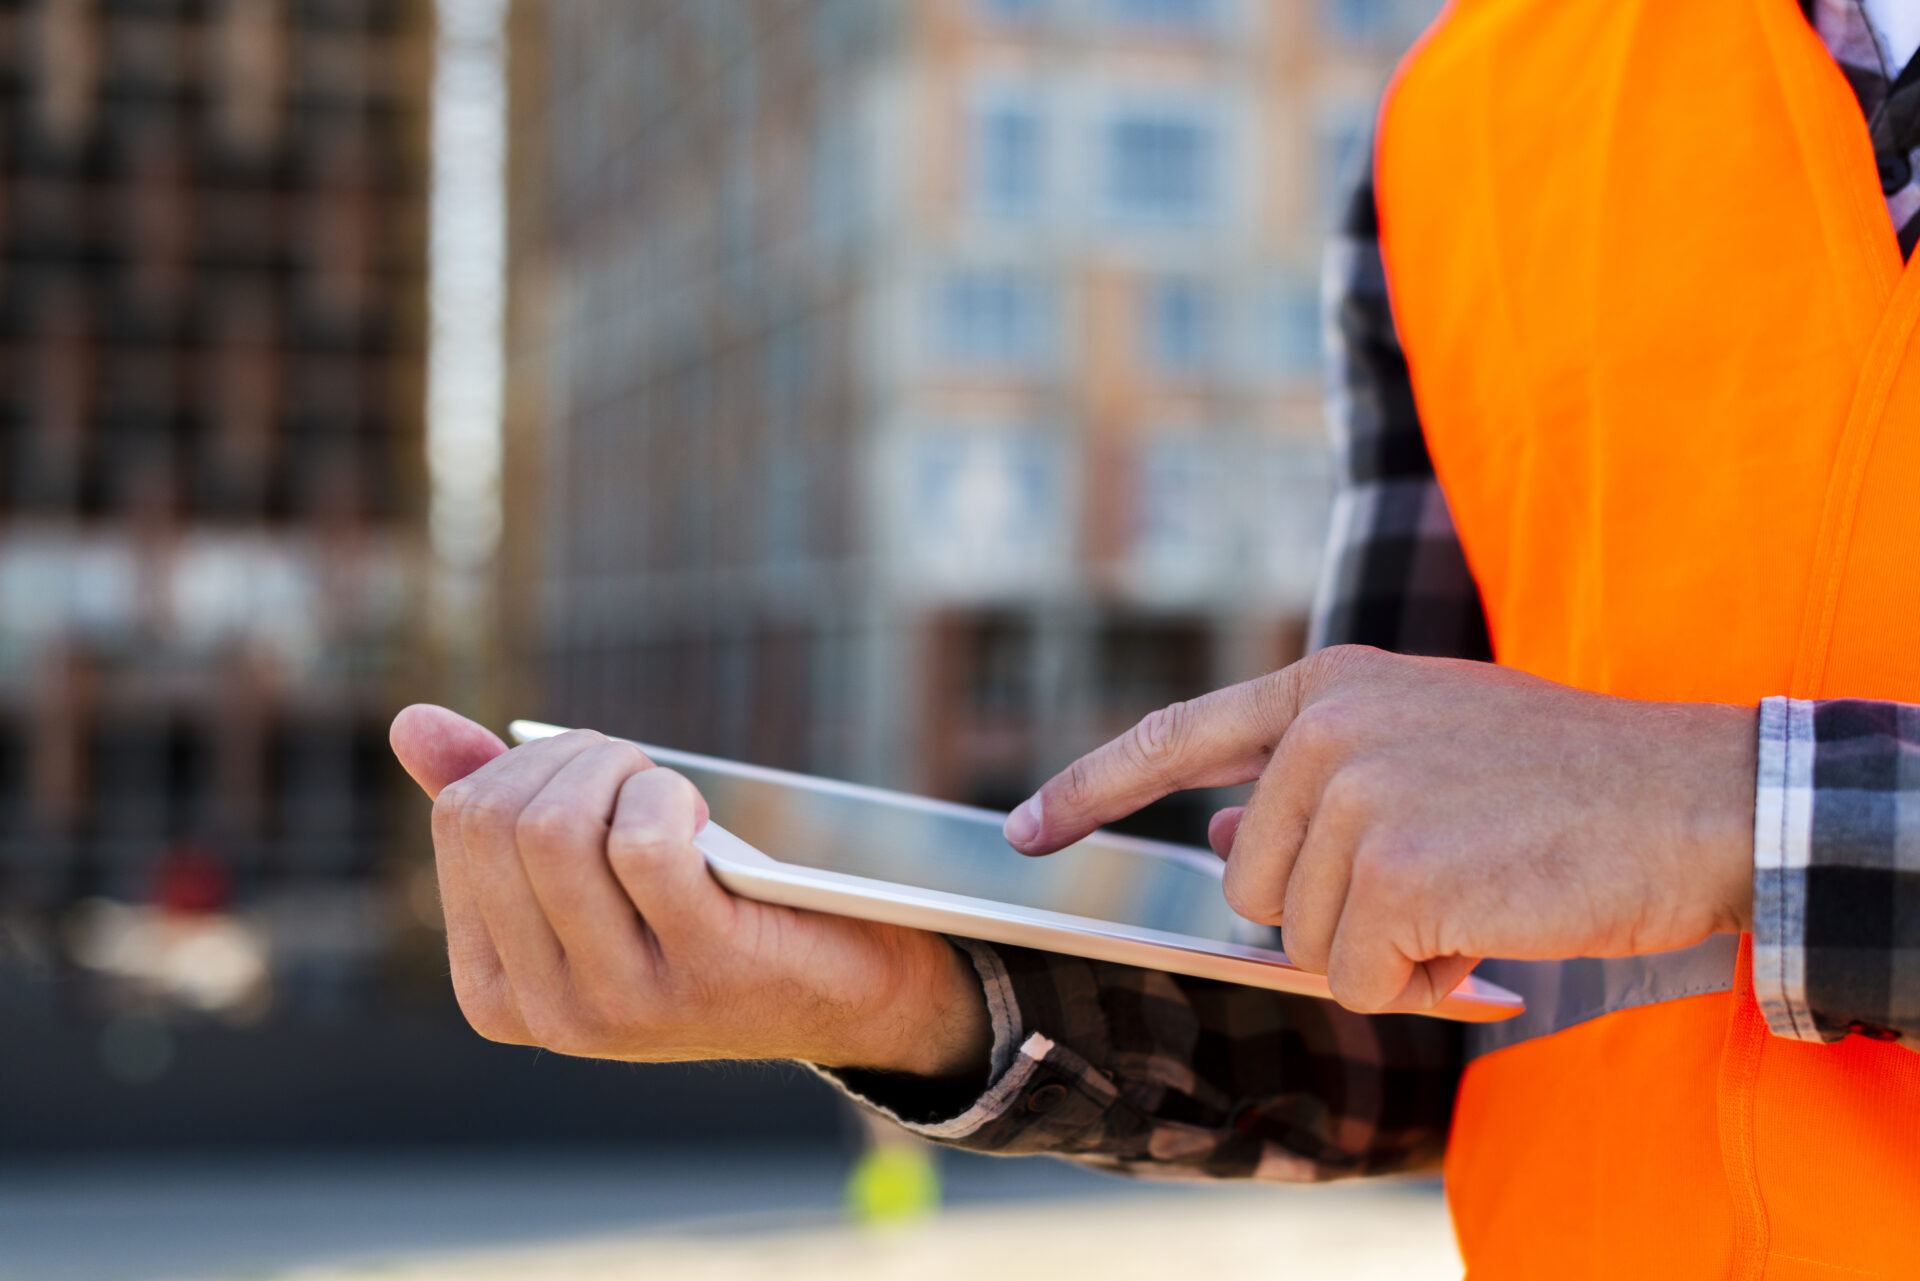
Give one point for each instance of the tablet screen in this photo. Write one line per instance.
(890, 836)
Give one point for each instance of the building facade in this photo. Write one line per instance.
(918, 392)
(212, 257)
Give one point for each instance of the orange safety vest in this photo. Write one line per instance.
(1663, 347)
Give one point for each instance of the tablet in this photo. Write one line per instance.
(907, 860)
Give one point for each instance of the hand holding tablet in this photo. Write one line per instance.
(581, 918)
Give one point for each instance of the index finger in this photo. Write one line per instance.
(1216, 740)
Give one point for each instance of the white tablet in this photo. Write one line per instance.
(933, 865)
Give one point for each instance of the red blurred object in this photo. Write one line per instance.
(191, 878)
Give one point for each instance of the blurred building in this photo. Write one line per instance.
(212, 221)
(919, 391)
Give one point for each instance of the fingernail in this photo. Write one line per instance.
(1024, 823)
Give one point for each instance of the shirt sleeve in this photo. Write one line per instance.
(1836, 887)
(1155, 1074)
(1395, 576)
(1150, 1073)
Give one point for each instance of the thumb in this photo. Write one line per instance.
(438, 747)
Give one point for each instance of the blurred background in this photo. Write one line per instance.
(914, 391)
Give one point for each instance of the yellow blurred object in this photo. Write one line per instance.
(893, 1183)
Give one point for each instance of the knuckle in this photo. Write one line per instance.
(1385, 870)
(488, 1013)
(1306, 941)
(585, 1037)
(619, 752)
(1274, 697)
(1343, 660)
(489, 811)
(1250, 898)
(1353, 792)
(451, 805)
(547, 827)
(1369, 876)
(1321, 730)
(560, 1028)
(630, 753)
(490, 1026)
(679, 798)
(1075, 788)
(1160, 737)
(1353, 993)
(643, 838)
(1304, 951)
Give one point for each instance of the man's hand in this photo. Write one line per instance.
(1415, 814)
(580, 917)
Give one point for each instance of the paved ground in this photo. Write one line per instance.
(665, 1216)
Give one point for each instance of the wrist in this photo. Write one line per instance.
(947, 1029)
(930, 1020)
(1723, 816)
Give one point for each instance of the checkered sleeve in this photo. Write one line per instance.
(1394, 576)
(1155, 1074)
(1836, 890)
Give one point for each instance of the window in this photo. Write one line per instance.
(994, 319)
(1361, 20)
(1293, 484)
(1010, 11)
(996, 663)
(1344, 135)
(1165, 15)
(784, 457)
(985, 511)
(1181, 326)
(1293, 330)
(836, 175)
(1182, 518)
(127, 764)
(1143, 664)
(1160, 166)
(1008, 159)
(1388, 24)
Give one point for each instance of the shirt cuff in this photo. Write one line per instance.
(1037, 1097)
(1782, 853)
(1837, 869)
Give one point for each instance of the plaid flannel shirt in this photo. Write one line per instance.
(1153, 1073)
